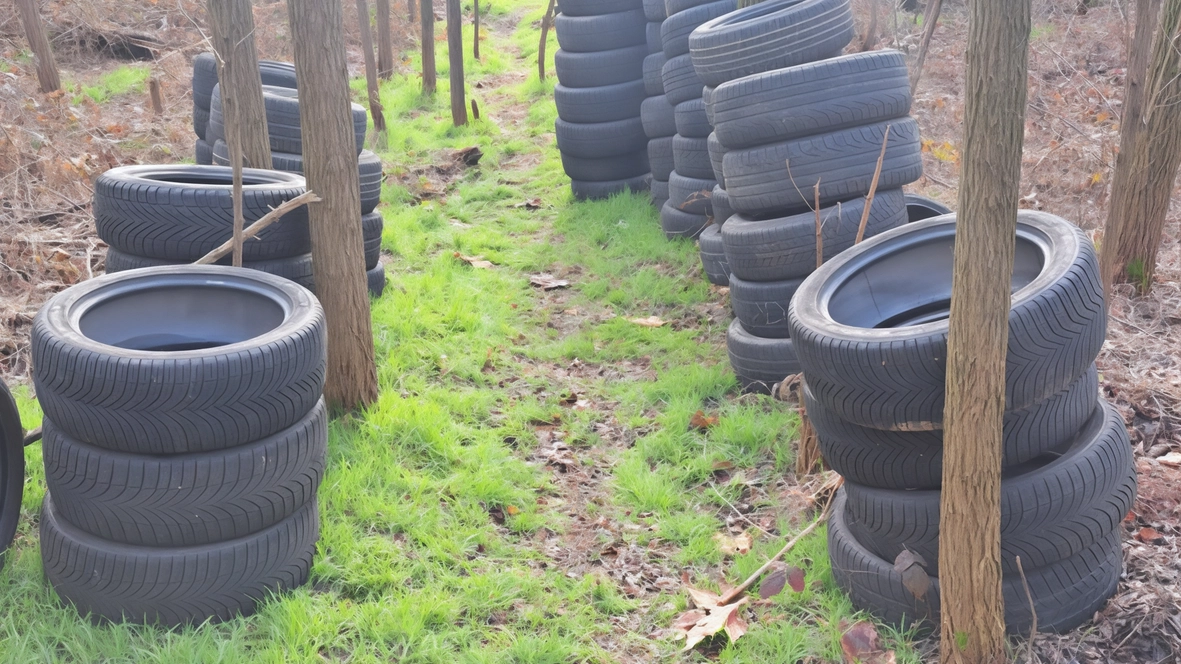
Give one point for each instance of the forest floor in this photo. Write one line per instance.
(542, 473)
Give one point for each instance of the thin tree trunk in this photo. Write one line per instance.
(546, 21)
(47, 74)
(429, 77)
(375, 108)
(385, 43)
(330, 166)
(232, 24)
(871, 31)
(973, 623)
(455, 57)
(476, 30)
(930, 19)
(412, 9)
(1150, 153)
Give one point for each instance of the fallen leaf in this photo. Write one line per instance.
(859, 645)
(531, 204)
(773, 583)
(546, 281)
(795, 579)
(734, 545)
(735, 626)
(702, 421)
(713, 623)
(686, 621)
(1172, 459)
(720, 465)
(913, 569)
(650, 321)
(702, 599)
(1150, 536)
(474, 261)
(512, 510)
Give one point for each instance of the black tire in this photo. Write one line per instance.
(658, 117)
(185, 499)
(653, 68)
(606, 169)
(370, 177)
(713, 260)
(1065, 594)
(884, 367)
(660, 159)
(295, 268)
(770, 35)
(200, 121)
(589, 34)
(717, 157)
(603, 104)
(690, 119)
(675, 31)
(204, 78)
(843, 163)
(901, 460)
(12, 469)
(283, 123)
(690, 194)
(654, 11)
(680, 224)
(592, 70)
(919, 208)
(584, 190)
(652, 38)
(601, 139)
(376, 279)
(775, 248)
(202, 153)
(277, 74)
(814, 98)
(707, 96)
(659, 189)
(691, 158)
(759, 363)
(183, 212)
(680, 82)
(719, 201)
(672, 7)
(176, 586)
(762, 305)
(597, 7)
(371, 227)
(155, 382)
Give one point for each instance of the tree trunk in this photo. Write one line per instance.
(385, 42)
(973, 623)
(412, 9)
(39, 44)
(546, 21)
(330, 166)
(232, 24)
(375, 108)
(930, 20)
(476, 29)
(455, 57)
(1150, 152)
(428, 48)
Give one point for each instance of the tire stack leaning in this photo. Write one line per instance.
(689, 208)
(871, 327)
(182, 464)
(656, 113)
(281, 74)
(285, 136)
(600, 67)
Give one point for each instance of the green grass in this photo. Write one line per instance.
(126, 79)
(412, 567)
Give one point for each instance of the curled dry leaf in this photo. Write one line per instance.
(913, 569)
(795, 578)
(734, 545)
(774, 582)
(474, 261)
(1150, 536)
(859, 645)
(702, 421)
(547, 281)
(719, 618)
(650, 321)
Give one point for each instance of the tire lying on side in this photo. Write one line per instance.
(759, 363)
(202, 153)
(606, 169)
(200, 121)
(761, 306)
(680, 81)
(659, 117)
(371, 227)
(691, 120)
(654, 11)
(659, 189)
(660, 159)
(653, 68)
(677, 223)
(604, 104)
(12, 469)
(675, 31)
(919, 208)
(375, 277)
(597, 7)
(690, 195)
(283, 123)
(713, 259)
(691, 158)
(179, 359)
(295, 268)
(720, 202)
(369, 171)
(588, 34)
(601, 139)
(883, 366)
(588, 190)
(592, 70)
(717, 158)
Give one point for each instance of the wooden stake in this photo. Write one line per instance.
(455, 58)
(47, 75)
(258, 226)
(375, 109)
(475, 110)
(873, 188)
(156, 95)
(545, 25)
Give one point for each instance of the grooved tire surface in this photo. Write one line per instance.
(606, 169)
(371, 227)
(295, 268)
(770, 35)
(176, 586)
(680, 81)
(691, 120)
(675, 31)
(186, 499)
(603, 104)
(375, 277)
(283, 122)
(592, 70)
(759, 363)
(658, 117)
(660, 159)
(843, 163)
(678, 223)
(659, 189)
(814, 98)
(717, 157)
(183, 212)
(720, 203)
(653, 68)
(597, 7)
(584, 190)
(654, 11)
(98, 388)
(914, 459)
(690, 194)
(204, 78)
(672, 7)
(588, 34)
(601, 139)
(691, 158)
(884, 366)
(202, 153)
(12, 468)
(762, 305)
(369, 171)
(762, 249)
(200, 121)
(1065, 594)
(713, 260)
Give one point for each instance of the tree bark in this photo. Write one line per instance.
(973, 623)
(232, 24)
(546, 21)
(330, 166)
(385, 42)
(1150, 153)
(412, 9)
(930, 20)
(375, 108)
(47, 75)
(429, 77)
(476, 30)
(455, 57)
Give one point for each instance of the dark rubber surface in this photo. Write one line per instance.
(691, 120)
(375, 277)
(675, 31)
(691, 158)
(659, 117)
(592, 70)
(713, 260)
(604, 169)
(603, 104)
(588, 34)
(681, 224)
(762, 305)
(371, 227)
(660, 159)
(680, 81)
(295, 268)
(690, 195)
(601, 139)
(584, 190)
(12, 468)
(759, 363)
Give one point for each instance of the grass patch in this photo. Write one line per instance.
(127, 79)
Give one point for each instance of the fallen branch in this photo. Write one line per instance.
(930, 18)
(1032, 609)
(258, 226)
(545, 25)
(873, 188)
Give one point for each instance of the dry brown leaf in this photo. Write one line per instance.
(1150, 536)
(650, 321)
(773, 583)
(546, 281)
(702, 599)
(474, 261)
(702, 421)
(686, 621)
(1172, 459)
(859, 645)
(795, 578)
(734, 545)
(512, 510)
(531, 204)
(735, 626)
(913, 569)
(715, 622)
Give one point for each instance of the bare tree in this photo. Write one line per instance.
(429, 76)
(330, 166)
(375, 108)
(546, 21)
(455, 58)
(385, 42)
(973, 622)
(239, 81)
(47, 75)
(412, 9)
(476, 29)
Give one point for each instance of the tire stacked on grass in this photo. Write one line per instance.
(600, 91)
(182, 464)
(279, 74)
(870, 328)
(656, 113)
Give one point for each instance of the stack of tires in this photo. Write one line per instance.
(285, 137)
(182, 463)
(281, 74)
(691, 183)
(656, 113)
(870, 328)
(600, 67)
